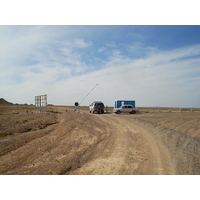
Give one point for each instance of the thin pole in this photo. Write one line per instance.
(88, 93)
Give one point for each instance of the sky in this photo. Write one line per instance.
(153, 65)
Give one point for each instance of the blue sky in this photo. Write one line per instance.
(155, 65)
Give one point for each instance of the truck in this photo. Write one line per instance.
(126, 106)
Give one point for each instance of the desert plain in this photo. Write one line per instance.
(66, 142)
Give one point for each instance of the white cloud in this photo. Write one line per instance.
(80, 43)
(152, 81)
(58, 69)
(101, 49)
(111, 44)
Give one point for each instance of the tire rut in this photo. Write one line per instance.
(134, 151)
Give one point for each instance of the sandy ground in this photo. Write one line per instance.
(105, 144)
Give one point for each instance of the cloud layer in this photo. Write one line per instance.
(65, 66)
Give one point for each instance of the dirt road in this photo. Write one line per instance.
(131, 150)
(83, 143)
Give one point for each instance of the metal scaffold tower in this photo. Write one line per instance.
(40, 103)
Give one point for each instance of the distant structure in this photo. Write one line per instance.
(119, 103)
(40, 103)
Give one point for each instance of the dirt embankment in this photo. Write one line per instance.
(21, 123)
(83, 143)
(59, 149)
(180, 134)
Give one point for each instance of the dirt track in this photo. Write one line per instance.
(83, 143)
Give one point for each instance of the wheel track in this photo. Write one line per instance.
(134, 151)
(159, 161)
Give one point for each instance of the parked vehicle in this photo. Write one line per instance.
(97, 106)
(119, 103)
(125, 109)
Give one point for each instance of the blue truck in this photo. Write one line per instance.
(126, 106)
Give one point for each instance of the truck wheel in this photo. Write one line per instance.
(133, 112)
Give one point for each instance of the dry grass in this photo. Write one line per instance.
(167, 109)
(22, 121)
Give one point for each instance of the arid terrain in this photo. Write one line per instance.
(60, 142)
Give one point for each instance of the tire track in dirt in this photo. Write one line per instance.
(183, 148)
(161, 162)
(134, 151)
